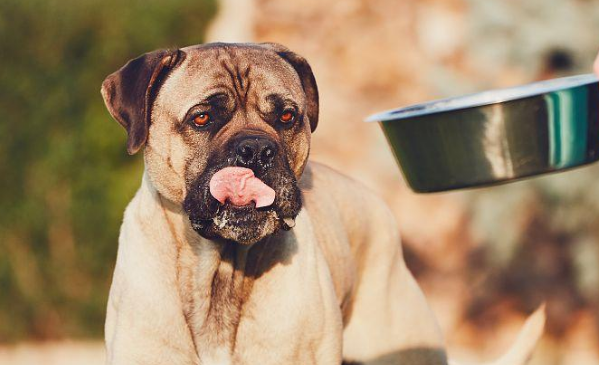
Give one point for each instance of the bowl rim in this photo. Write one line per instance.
(484, 98)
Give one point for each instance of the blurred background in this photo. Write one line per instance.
(485, 258)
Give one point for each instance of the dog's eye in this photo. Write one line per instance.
(287, 117)
(201, 119)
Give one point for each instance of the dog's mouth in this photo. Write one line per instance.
(232, 203)
(240, 187)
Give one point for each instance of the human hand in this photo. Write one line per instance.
(596, 66)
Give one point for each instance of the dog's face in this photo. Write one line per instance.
(211, 116)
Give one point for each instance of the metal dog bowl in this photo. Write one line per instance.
(496, 136)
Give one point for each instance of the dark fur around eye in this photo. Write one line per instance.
(216, 106)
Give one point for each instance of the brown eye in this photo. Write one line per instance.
(287, 117)
(201, 119)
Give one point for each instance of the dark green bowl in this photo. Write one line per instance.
(496, 136)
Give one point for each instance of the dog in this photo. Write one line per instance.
(238, 250)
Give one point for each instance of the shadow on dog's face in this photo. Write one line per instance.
(202, 109)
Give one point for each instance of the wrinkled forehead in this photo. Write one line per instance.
(243, 72)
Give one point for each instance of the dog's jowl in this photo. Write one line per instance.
(235, 249)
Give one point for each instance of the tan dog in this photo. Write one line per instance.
(218, 274)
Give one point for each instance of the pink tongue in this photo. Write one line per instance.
(240, 187)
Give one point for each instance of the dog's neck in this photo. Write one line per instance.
(214, 278)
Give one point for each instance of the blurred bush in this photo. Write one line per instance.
(65, 175)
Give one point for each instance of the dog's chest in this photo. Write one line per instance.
(214, 284)
(270, 305)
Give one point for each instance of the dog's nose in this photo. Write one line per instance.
(255, 151)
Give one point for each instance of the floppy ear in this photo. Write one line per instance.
(304, 71)
(129, 93)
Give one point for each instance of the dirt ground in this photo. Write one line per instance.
(54, 353)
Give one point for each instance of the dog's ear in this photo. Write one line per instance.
(129, 93)
(304, 71)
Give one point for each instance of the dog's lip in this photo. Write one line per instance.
(251, 205)
(245, 212)
(248, 208)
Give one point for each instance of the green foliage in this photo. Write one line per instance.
(65, 175)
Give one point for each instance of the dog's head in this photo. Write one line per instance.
(226, 128)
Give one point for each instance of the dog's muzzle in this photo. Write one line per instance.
(246, 192)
